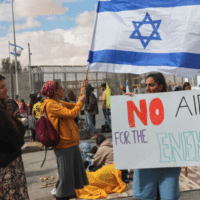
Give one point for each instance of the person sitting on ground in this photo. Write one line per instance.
(103, 182)
(104, 155)
(186, 86)
(84, 148)
(93, 150)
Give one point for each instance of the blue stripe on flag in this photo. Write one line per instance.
(16, 46)
(189, 60)
(116, 5)
(16, 54)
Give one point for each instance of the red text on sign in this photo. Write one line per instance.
(156, 105)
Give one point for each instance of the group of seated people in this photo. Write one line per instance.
(101, 155)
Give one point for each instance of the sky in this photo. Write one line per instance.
(59, 31)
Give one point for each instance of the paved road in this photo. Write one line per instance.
(32, 162)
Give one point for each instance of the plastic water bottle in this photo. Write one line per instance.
(88, 159)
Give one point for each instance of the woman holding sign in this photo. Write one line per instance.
(156, 183)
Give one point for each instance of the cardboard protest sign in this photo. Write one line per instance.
(156, 130)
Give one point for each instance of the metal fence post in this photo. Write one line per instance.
(125, 80)
(97, 83)
(116, 85)
(33, 83)
(132, 83)
(65, 85)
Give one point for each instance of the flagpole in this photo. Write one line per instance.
(10, 75)
(16, 72)
(30, 70)
(86, 74)
(93, 35)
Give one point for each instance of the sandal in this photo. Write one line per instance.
(95, 136)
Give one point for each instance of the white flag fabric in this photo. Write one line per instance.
(127, 88)
(132, 36)
(18, 50)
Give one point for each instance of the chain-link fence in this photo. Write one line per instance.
(71, 77)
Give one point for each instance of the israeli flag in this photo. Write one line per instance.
(18, 50)
(132, 36)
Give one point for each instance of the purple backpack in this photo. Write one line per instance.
(46, 133)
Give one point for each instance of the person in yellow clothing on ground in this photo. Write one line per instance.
(61, 114)
(103, 182)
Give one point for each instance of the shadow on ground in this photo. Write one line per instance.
(39, 172)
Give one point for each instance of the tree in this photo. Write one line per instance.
(25, 70)
(5, 62)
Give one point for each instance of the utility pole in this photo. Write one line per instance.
(16, 72)
(30, 70)
(174, 80)
(10, 74)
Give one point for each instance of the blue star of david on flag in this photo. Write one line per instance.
(146, 39)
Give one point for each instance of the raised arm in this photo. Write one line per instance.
(56, 110)
(68, 105)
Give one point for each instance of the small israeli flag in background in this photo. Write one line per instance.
(18, 50)
(127, 88)
(147, 35)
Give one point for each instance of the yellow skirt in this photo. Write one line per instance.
(103, 182)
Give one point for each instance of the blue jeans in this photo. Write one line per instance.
(147, 182)
(89, 123)
(106, 113)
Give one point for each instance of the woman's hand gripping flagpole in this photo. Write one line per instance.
(84, 85)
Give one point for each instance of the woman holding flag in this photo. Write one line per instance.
(156, 183)
(61, 114)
